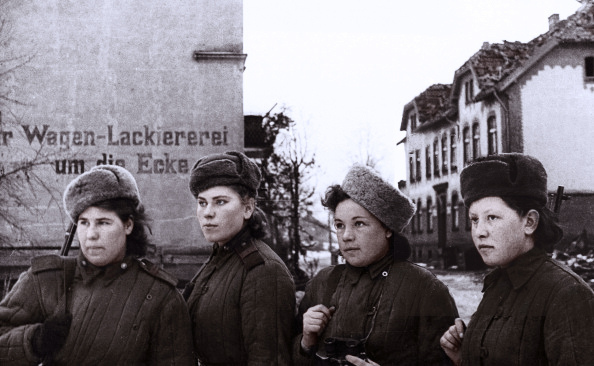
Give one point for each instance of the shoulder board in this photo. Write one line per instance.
(46, 262)
(155, 271)
(249, 254)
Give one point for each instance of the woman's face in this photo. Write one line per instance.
(500, 235)
(102, 235)
(362, 238)
(222, 213)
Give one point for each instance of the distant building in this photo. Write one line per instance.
(536, 98)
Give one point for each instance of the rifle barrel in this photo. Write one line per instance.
(68, 238)
(558, 199)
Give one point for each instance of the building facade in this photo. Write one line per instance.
(536, 98)
(148, 85)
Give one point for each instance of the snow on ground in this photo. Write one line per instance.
(465, 287)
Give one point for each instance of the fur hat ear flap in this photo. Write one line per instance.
(102, 182)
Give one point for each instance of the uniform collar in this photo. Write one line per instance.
(89, 272)
(221, 254)
(520, 270)
(380, 267)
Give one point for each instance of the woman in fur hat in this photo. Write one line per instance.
(534, 311)
(107, 306)
(378, 305)
(242, 301)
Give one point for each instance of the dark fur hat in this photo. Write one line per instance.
(379, 197)
(229, 168)
(102, 182)
(504, 175)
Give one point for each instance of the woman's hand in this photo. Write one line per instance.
(315, 320)
(451, 341)
(359, 362)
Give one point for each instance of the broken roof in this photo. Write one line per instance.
(431, 104)
(494, 62)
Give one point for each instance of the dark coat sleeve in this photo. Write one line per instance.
(569, 324)
(313, 296)
(437, 313)
(20, 316)
(267, 309)
(171, 341)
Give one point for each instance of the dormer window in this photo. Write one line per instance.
(589, 68)
(413, 121)
(469, 91)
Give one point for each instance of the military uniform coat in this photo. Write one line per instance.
(398, 308)
(534, 312)
(128, 313)
(242, 306)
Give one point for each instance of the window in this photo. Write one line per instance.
(444, 154)
(476, 141)
(455, 212)
(453, 146)
(411, 167)
(413, 223)
(469, 91)
(428, 162)
(436, 157)
(589, 67)
(413, 121)
(419, 216)
(429, 215)
(492, 126)
(466, 135)
(418, 164)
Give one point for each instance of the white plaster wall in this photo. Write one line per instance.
(128, 64)
(558, 118)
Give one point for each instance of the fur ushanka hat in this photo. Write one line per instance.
(101, 183)
(229, 168)
(379, 197)
(504, 175)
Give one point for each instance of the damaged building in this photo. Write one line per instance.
(535, 98)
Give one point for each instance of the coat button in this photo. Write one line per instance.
(484, 352)
(124, 266)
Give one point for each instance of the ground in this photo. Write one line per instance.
(465, 288)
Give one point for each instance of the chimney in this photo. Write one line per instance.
(485, 46)
(553, 20)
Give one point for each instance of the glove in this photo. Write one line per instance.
(51, 336)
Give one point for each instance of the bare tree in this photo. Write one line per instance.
(288, 195)
(20, 179)
(366, 153)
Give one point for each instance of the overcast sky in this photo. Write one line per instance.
(346, 68)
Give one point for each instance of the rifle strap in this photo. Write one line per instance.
(69, 271)
(332, 284)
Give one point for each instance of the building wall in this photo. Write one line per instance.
(557, 117)
(119, 82)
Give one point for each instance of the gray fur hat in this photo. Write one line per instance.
(379, 197)
(504, 175)
(102, 182)
(229, 168)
